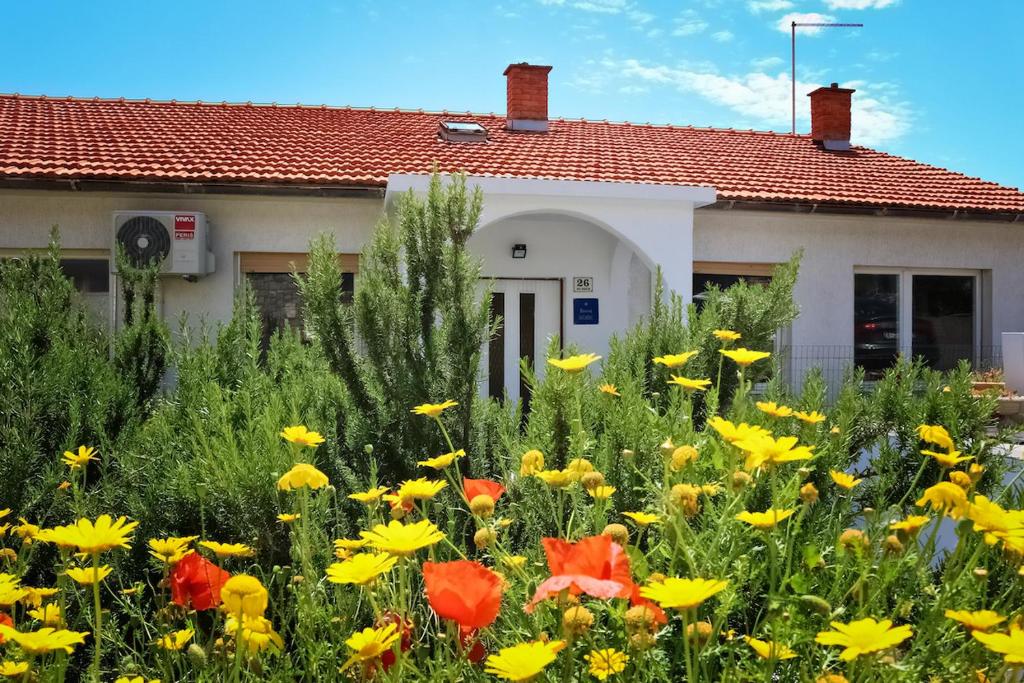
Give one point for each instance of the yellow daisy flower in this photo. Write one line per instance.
(13, 669)
(980, 620)
(643, 518)
(524, 661)
(813, 417)
(601, 492)
(87, 576)
(950, 459)
(419, 489)
(170, 550)
(764, 451)
(744, 357)
(574, 364)
(403, 539)
(609, 389)
(244, 595)
(49, 614)
(774, 409)
(80, 459)
(45, 640)
(1010, 645)
(301, 436)
(937, 435)
(768, 519)
(289, 517)
(911, 525)
(863, 637)
(370, 643)
(605, 663)
(945, 497)
(361, 569)
(442, 461)
(556, 479)
(726, 335)
(255, 635)
(433, 410)
(370, 496)
(689, 384)
(94, 537)
(675, 360)
(176, 640)
(302, 474)
(769, 650)
(228, 549)
(844, 480)
(676, 593)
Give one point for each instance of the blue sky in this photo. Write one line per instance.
(937, 80)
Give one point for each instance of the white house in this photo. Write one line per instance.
(899, 256)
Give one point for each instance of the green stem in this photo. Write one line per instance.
(97, 616)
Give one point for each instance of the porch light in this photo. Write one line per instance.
(518, 251)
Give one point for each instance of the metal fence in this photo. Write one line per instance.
(797, 360)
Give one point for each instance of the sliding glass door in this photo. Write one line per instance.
(917, 313)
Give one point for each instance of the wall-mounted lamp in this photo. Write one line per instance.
(518, 251)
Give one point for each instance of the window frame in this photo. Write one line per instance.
(905, 302)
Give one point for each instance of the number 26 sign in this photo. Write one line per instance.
(583, 283)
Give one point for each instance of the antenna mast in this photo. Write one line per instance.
(792, 44)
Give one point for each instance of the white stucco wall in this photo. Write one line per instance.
(237, 224)
(560, 246)
(834, 245)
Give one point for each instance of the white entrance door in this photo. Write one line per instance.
(531, 312)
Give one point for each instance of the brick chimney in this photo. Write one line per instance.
(527, 97)
(830, 116)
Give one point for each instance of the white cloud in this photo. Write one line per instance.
(783, 24)
(877, 116)
(640, 18)
(758, 6)
(689, 23)
(722, 36)
(601, 6)
(766, 63)
(860, 4)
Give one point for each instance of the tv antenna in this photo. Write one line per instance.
(792, 43)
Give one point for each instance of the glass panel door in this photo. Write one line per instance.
(943, 319)
(876, 321)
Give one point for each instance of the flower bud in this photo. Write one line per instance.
(804, 472)
(576, 621)
(531, 463)
(398, 512)
(699, 632)
(682, 456)
(482, 505)
(591, 480)
(656, 577)
(893, 545)
(667, 448)
(854, 539)
(618, 532)
(640, 618)
(740, 480)
(961, 479)
(484, 537)
(809, 493)
(197, 654)
(642, 640)
(818, 604)
(368, 449)
(686, 497)
(980, 573)
(627, 453)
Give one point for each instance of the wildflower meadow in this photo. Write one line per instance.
(351, 508)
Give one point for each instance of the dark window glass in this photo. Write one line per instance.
(280, 304)
(702, 282)
(875, 322)
(943, 309)
(91, 276)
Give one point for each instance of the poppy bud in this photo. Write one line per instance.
(618, 532)
(576, 621)
(804, 472)
(667, 448)
(484, 537)
(627, 453)
(980, 573)
(298, 578)
(682, 456)
(819, 605)
(740, 480)
(482, 505)
(591, 480)
(398, 512)
(809, 493)
(197, 654)
(699, 632)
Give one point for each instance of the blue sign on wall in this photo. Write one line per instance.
(584, 312)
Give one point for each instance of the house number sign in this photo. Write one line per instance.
(583, 283)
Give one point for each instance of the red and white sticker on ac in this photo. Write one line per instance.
(184, 227)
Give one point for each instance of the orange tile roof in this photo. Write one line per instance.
(71, 138)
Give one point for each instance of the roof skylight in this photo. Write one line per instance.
(462, 131)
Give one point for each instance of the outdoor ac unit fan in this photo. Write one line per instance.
(177, 241)
(145, 240)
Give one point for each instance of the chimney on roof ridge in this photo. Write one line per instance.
(527, 97)
(830, 116)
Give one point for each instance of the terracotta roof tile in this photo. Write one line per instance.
(68, 138)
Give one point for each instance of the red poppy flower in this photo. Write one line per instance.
(595, 565)
(482, 487)
(466, 592)
(196, 582)
(5, 620)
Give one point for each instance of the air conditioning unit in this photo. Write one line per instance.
(177, 240)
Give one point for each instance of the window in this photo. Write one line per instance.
(725, 274)
(277, 296)
(928, 314)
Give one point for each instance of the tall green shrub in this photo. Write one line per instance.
(416, 328)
